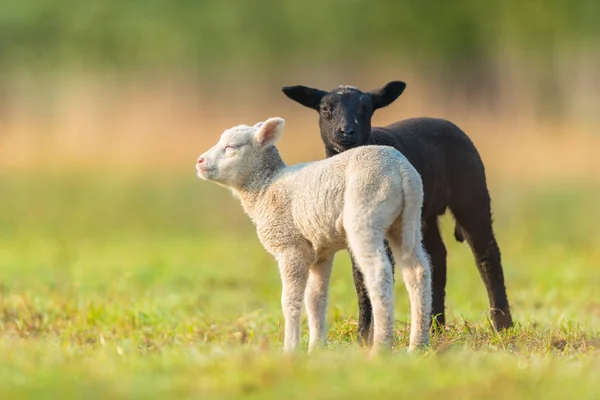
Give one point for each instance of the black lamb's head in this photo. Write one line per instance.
(345, 113)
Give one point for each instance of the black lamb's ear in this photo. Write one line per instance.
(308, 97)
(387, 94)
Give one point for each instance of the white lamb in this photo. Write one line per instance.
(305, 213)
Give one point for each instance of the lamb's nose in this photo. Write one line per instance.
(200, 160)
(348, 131)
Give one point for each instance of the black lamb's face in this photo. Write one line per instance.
(345, 119)
(345, 113)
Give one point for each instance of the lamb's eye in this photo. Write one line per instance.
(326, 111)
(230, 148)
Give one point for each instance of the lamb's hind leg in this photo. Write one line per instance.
(365, 312)
(416, 272)
(370, 255)
(476, 223)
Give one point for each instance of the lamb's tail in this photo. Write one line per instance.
(411, 214)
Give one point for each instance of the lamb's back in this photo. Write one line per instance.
(366, 176)
(306, 201)
(444, 156)
(321, 185)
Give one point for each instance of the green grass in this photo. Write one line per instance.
(156, 287)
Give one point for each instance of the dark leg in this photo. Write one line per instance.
(391, 258)
(434, 246)
(365, 312)
(476, 223)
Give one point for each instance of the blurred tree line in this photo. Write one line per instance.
(210, 34)
(490, 52)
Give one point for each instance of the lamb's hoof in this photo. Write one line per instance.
(377, 352)
(379, 349)
(291, 351)
(501, 320)
(365, 336)
(438, 325)
(317, 348)
(365, 341)
(417, 348)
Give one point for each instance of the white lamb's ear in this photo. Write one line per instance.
(269, 132)
(258, 125)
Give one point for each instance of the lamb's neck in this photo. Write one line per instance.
(255, 187)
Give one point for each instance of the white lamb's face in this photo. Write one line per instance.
(238, 153)
(225, 160)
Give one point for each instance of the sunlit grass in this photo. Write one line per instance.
(156, 286)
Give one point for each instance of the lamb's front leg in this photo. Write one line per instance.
(315, 299)
(294, 275)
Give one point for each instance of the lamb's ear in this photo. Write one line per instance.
(308, 97)
(385, 95)
(269, 132)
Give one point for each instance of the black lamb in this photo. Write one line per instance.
(453, 177)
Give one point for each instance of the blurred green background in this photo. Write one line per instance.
(86, 72)
(122, 275)
(213, 34)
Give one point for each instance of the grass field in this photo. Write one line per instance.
(155, 286)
